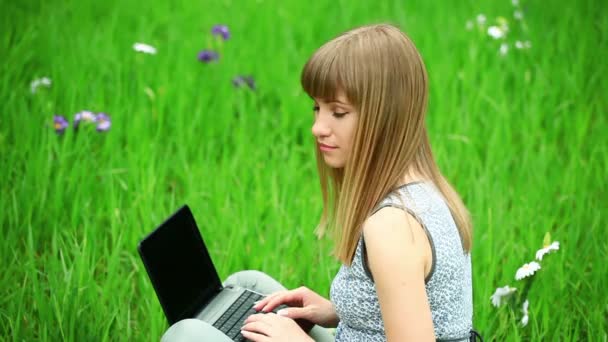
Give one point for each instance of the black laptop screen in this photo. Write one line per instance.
(179, 266)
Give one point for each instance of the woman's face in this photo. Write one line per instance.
(334, 129)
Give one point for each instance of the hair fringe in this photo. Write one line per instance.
(390, 139)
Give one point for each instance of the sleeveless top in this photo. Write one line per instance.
(448, 286)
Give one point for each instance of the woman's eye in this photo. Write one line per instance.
(336, 115)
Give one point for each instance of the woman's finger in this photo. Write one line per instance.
(258, 327)
(284, 298)
(255, 337)
(254, 318)
(262, 302)
(295, 313)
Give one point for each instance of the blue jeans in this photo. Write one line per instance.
(190, 330)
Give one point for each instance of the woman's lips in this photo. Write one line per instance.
(324, 147)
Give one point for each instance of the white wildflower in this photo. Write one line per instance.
(500, 293)
(85, 116)
(515, 2)
(518, 15)
(547, 249)
(527, 270)
(504, 48)
(145, 48)
(40, 82)
(469, 25)
(525, 318)
(519, 44)
(481, 19)
(496, 32)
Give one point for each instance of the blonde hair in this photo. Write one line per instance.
(383, 76)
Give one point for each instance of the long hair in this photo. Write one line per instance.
(383, 76)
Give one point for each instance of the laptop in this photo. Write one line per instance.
(185, 280)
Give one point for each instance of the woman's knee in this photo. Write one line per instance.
(190, 330)
(254, 280)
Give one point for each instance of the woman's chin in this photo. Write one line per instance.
(333, 163)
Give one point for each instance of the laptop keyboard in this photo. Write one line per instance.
(231, 321)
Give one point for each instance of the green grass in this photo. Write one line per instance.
(522, 137)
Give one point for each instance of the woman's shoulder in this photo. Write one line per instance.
(387, 218)
(393, 227)
(414, 197)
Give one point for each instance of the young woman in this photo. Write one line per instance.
(401, 231)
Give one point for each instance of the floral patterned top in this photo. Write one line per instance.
(448, 286)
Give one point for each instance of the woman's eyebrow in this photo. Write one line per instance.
(340, 103)
(332, 102)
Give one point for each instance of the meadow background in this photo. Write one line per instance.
(522, 136)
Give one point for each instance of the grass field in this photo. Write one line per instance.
(522, 136)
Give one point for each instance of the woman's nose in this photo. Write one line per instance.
(320, 128)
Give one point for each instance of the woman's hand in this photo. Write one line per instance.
(304, 304)
(270, 327)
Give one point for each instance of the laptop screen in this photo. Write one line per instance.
(179, 266)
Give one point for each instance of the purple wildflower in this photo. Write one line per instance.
(103, 122)
(208, 56)
(60, 123)
(85, 116)
(221, 30)
(240, 81)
